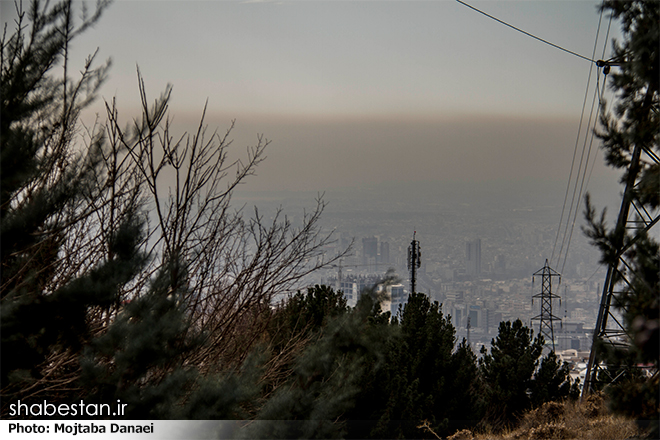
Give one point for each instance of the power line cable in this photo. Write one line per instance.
(602, 104)
(598, 94)
(574, 205)
(577, 142)
(586, 166)
(599, 266)
(591, 60)
(583, 186)
(582, 183)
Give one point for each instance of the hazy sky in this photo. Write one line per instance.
(355, 93)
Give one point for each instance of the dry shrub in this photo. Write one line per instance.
(593, 406)
(592, 420)
(550, 431)
(555, 430)
(545, 422)
(549, 412)
(612, 428)
(464, 434)
(589, 420)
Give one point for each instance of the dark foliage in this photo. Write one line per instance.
(141, 360)
(326, 379)
(46, 305)
(507, 372)
(418, 373)
(552, 382)
(305, 313)
(364, 376)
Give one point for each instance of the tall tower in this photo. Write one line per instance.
(546, 318)
(414, 262)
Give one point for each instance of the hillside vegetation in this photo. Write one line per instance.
(588, 420)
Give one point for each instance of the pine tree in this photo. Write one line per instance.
(305, 313)
(507, 372)
(326, 380)
(295, 324)
(47, 298)
(552, 381)
(141, 360)
(423, 379)
(429, 338)
(464, 406)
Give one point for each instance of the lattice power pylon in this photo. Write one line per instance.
(635, 220)
(546, 318)
(414, 262)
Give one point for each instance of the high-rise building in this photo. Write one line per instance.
(369, 250)
(384, 252)
(474, 313)
(458, 315)
(351, 292)
(473, 257)
(500, 264)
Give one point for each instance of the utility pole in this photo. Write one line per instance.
(414, 262)
(546, 318)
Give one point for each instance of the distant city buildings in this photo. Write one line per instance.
(474, 316)
(573, 335)
(352, 286)
(481, 281)
(371, 257)
(488, 280)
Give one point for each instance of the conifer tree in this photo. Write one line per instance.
(552, 381)
(47, 299)
(507, 372)
(428, 338)
(326, 379)
(305, 313)
(464, 405)
(514, 377)
(423, 379)
(295, 324)
(141, 360)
